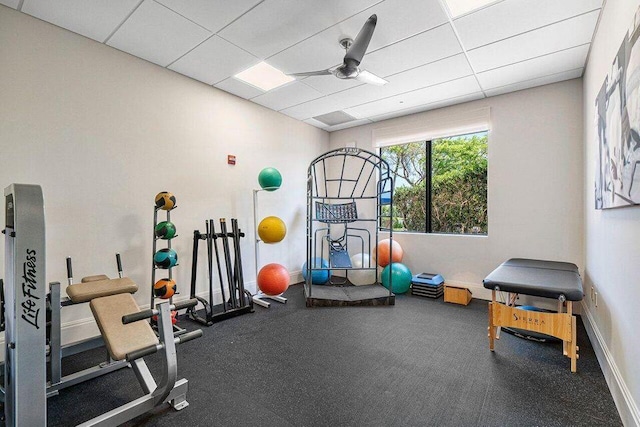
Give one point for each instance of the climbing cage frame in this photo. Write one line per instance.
(349, 201)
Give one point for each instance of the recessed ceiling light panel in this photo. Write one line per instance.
(264, 77)
(461, 7)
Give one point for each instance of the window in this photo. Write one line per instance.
(440, 185)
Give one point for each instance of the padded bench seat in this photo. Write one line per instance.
(121, 339)
(88, 290)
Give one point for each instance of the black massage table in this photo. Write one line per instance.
(548, 279)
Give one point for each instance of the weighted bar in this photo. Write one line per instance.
(215, 246)
(69, 271)
(119, 262)
(227, 262)
(210, 243)
(238, 259)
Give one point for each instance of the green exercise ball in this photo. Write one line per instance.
(270, 179)
(400, 275)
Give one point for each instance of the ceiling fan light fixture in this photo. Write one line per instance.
(347, 73)
(461, 7)
(264, 77)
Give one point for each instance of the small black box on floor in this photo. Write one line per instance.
(421, 291)
(427, 285)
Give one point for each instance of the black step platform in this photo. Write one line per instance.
(429, 291)
(348, 295)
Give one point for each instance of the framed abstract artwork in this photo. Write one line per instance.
(617, 180)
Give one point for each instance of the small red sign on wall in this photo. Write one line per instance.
(231, 159)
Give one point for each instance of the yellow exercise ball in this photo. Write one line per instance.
(272, 229)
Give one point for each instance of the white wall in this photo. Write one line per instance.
(535, 185)
(103, 132)
(612, 238)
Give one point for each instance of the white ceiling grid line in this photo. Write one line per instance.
(94, 19)
(14, 4)
(552, 38)
(429, 59)
(157, 34)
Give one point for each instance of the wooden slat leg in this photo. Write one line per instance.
(573, 345)
(565, 350)
(492, 329)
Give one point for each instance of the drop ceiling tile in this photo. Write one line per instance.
(508, 18)
(11, 3)
(447, 69)
(362, 94)
(95, 19)
(441, 92)
(213, 61)
(238, 88)
(418, 50)
(312, 108)
(572, 32)
(432, 106)
(291, 94)
(157, 34)
(211, 14)
(330, 84)
(558, 62)
(417, 78)
(400, 19)
(553, 78)
(351, 124)
(274, 25)
(314, 122)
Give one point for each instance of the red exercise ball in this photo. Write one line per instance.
(386, 250)
(273, 279)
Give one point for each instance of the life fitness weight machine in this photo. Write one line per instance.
(127, 337)
(25, 294)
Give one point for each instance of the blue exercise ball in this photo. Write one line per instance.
(318, 277)
(400, 275)
(165, 258)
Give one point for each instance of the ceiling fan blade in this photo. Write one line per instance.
(361, 42)
(311, 73)
(367, 77)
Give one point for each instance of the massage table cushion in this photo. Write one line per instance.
(548, 279)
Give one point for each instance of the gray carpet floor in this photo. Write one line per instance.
(421, 362)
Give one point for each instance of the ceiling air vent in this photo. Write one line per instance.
(334, 118)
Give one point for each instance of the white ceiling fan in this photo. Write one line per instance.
(355, 51)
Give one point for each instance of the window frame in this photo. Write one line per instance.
(429, 185)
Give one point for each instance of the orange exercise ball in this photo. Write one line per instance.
(388, 249)
(273, 279)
